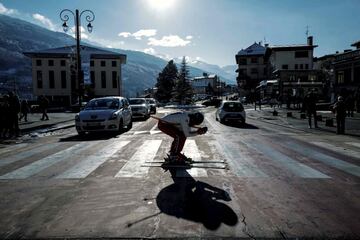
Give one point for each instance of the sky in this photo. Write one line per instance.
(212, 31)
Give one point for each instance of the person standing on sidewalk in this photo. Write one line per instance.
(310, 107)
(44, 104)
(25, 109)
(14, 109)
(340, 112)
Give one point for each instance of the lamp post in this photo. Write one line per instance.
(90, 16)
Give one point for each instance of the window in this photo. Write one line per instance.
(114, 79)
(301, 66)
(92, 79)
(63, 79)
(296, 66)
(265, 71)
(340, 77)
(254, 70)
(285, 66)
(51, 79)
(242, 71)
(51, 63)
(103, 64)
(254, 60)
(103, 79)
(38, 62)
(39, 79)
(62, 63)
(91, 63)
(242, 61)
(301, 54)
(306, 66)
(113, 63)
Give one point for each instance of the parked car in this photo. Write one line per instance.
(152, 103)
(231, 111)
(140, 108)
(212, 102)
(104, 114)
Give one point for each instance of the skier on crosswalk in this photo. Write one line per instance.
(179, 126)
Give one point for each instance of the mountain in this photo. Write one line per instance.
(18, 36)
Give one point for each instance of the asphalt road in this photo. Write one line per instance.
(281, 181)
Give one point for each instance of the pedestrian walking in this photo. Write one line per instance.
(339, 108)
(24, 110)
(14, 109)
(350, 105)
(43, 105)
(179, 126)
(310, 107)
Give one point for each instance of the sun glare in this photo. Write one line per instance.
(161, 4)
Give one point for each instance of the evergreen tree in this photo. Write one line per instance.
(183, 91)
(166, 82)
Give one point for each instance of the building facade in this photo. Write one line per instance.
(54, 74)
(252, 68)
(292, 67)
(207, 84)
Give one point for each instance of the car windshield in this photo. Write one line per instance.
(136, 101)
(151, 101)
(103, 104)
(233, 107)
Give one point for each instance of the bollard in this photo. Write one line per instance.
(303, 116)
(289, 114)
(329, 122)
(319, 118)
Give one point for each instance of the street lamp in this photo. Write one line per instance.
(90, 16)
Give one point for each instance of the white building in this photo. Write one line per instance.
(201, 84)
(54, 73)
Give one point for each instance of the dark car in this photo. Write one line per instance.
(212, 102)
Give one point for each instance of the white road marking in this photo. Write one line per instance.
(292, 165)
(12, 148)
(27, 154)
(191, 150)
(331, 161)
(356, 144)
(38, 166)
(88, 165)
(140, 132)
(338, 149)
(146, 152)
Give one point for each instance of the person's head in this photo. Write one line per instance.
(196, 118)
(340, 98)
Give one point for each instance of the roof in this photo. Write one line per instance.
(355, 44)
(206, 77)
(255, 49)
(292, 47)
(64, 52)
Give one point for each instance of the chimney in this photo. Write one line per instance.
(310, 40)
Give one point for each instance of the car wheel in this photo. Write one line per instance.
(121, 126)
(222, 120)
(129, 126)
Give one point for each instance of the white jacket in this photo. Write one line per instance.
(181, 122)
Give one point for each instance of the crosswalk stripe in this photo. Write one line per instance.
(27, 154)
(295, 167)
(38, 166)
(329, 160)
(356, 144)
(338, 149)
(241, 166)
(12, 148)
(88, 165)
(191, 150)
(146, 152)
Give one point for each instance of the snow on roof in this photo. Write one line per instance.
(255, 49)
(68, 50)
(206, 77)
(292, 46)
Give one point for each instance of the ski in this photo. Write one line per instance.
(192, 162)
(168, 166)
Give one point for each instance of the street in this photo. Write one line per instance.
(280, 180)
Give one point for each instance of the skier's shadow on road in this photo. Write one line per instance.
(196, 201)
(89, 137)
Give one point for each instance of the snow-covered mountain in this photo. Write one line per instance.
(18, 36)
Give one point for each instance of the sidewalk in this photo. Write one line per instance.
(56, 121)
(352, 124)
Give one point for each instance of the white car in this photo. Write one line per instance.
(231, 111)
(152, 103)
(104, 114)
(140, 108)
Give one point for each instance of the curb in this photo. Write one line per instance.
(51, 127)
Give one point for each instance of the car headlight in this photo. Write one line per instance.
(77, 118)
(113, 116)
